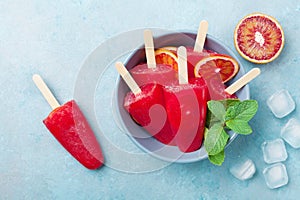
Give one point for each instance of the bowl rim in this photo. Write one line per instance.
(179, 159)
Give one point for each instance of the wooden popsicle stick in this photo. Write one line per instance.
(149, 49)
(128, 78)
(201, 35)
(243, 81)
(182, 65)
(41, 85)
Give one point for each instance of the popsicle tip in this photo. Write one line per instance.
(118, 63)
(201, 35)
(204, 22)
(127, 78)
(149, 48)
(182, 65)
(245, 79)
(121, 68)
(256, 70)
(35, 76)
(41, 85)
(147, 31)
(182, 53)
(181, 49)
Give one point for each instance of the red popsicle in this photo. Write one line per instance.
(214, 83)
(145, 105)
(209, 73)
(69, 126)
(198, 52)
(147, 109)
(152, 72)
(193, 57)
(217, 90)
(161, 74)
(186, 105)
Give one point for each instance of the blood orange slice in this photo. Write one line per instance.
(168, 55)
(259, 38)
(171, 48)
(165, 56)
(226, 66)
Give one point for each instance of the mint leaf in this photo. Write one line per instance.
(217, 159)
(215, 139)
(244, 110)
(210, 119)
(217, 109)
(229, 113)
(229, 102)
(239, 126)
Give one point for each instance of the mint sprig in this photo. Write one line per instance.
(244, 110)
(229, 114)
(217, 109)
(215, 139)
(217, 159)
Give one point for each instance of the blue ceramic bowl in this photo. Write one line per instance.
(138, 135)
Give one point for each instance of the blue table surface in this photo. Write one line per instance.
(53, 38)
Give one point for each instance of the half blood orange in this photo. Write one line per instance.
(259, 38)
(165, 56)
(226, 66)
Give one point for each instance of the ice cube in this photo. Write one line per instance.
(274, 151)
(244, 169)
(281, 103)
(276, 175)
(291, 133)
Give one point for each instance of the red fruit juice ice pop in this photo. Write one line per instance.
(211, 74)
(147, 109)
(161, 74)
(69, 126)
(198, 52)
(218, 91)
(193, 58)
(152, 72)
(214, 83)
(146, 106)
(186, 105)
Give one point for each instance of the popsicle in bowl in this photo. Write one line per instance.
(186, 105)
(151, 72)
(69, 126)
(146, 106)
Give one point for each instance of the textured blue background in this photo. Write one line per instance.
(53, 38)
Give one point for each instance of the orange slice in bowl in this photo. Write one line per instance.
(165, 56)
(171, 48)
(259, 38)
(168, 55)
(209, 66)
